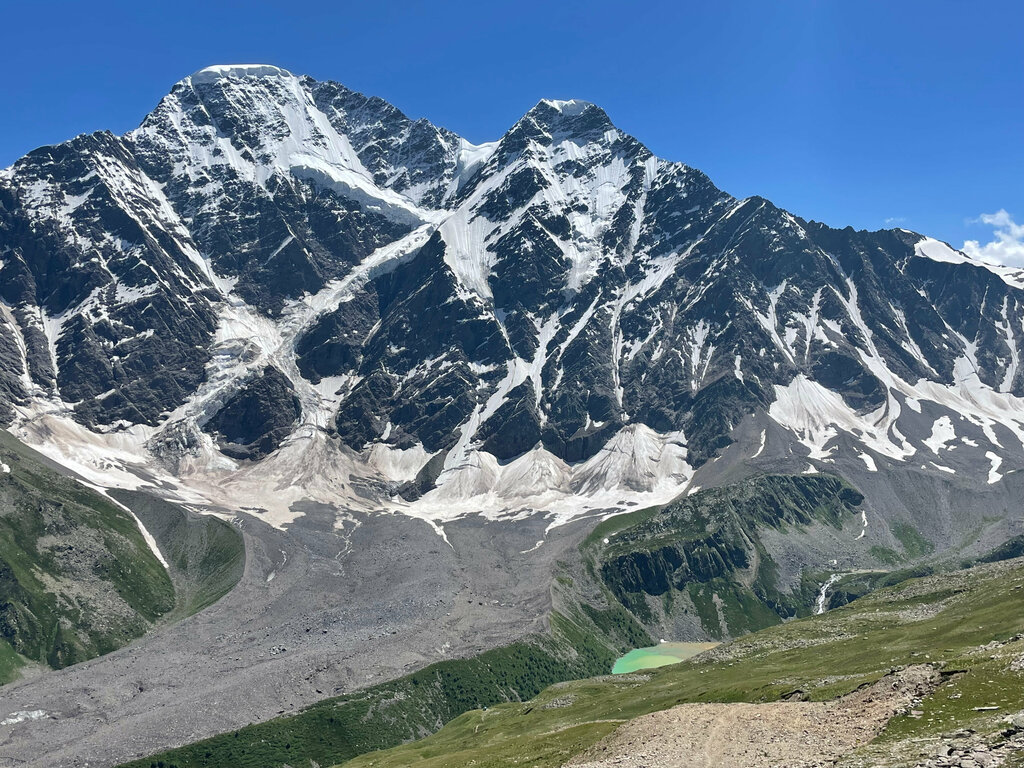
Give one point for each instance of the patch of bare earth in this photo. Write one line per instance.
(794, 734)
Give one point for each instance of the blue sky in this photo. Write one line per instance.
(866, 113)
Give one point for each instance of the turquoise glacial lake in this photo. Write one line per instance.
(659, 655)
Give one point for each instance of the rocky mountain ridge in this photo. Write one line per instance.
(278, 290)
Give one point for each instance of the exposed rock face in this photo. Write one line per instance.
(561, 287)
(712, 555)
(106, 296)
(257, 418)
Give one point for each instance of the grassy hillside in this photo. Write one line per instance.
(77, 579)
(967, 623)
(206, 555)
(11, 662)
(703, 555)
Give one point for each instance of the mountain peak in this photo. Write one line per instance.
(570, 115)
(222, 71)
(562, 286)
(552, 120)
(570, 107)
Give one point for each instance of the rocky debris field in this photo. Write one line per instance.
(963, 753)
(319, 612)
(796, 734)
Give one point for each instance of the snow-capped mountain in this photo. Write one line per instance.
(277, 289)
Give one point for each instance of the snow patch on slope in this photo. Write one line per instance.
(637, 458)
(22, 715)
(942, 434)
(637, 465)
(994, 476)
(929, 248)
(817, 415)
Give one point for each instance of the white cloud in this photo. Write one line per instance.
(1008, 245)
(893, 220)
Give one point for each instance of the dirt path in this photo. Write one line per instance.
(790, 734)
